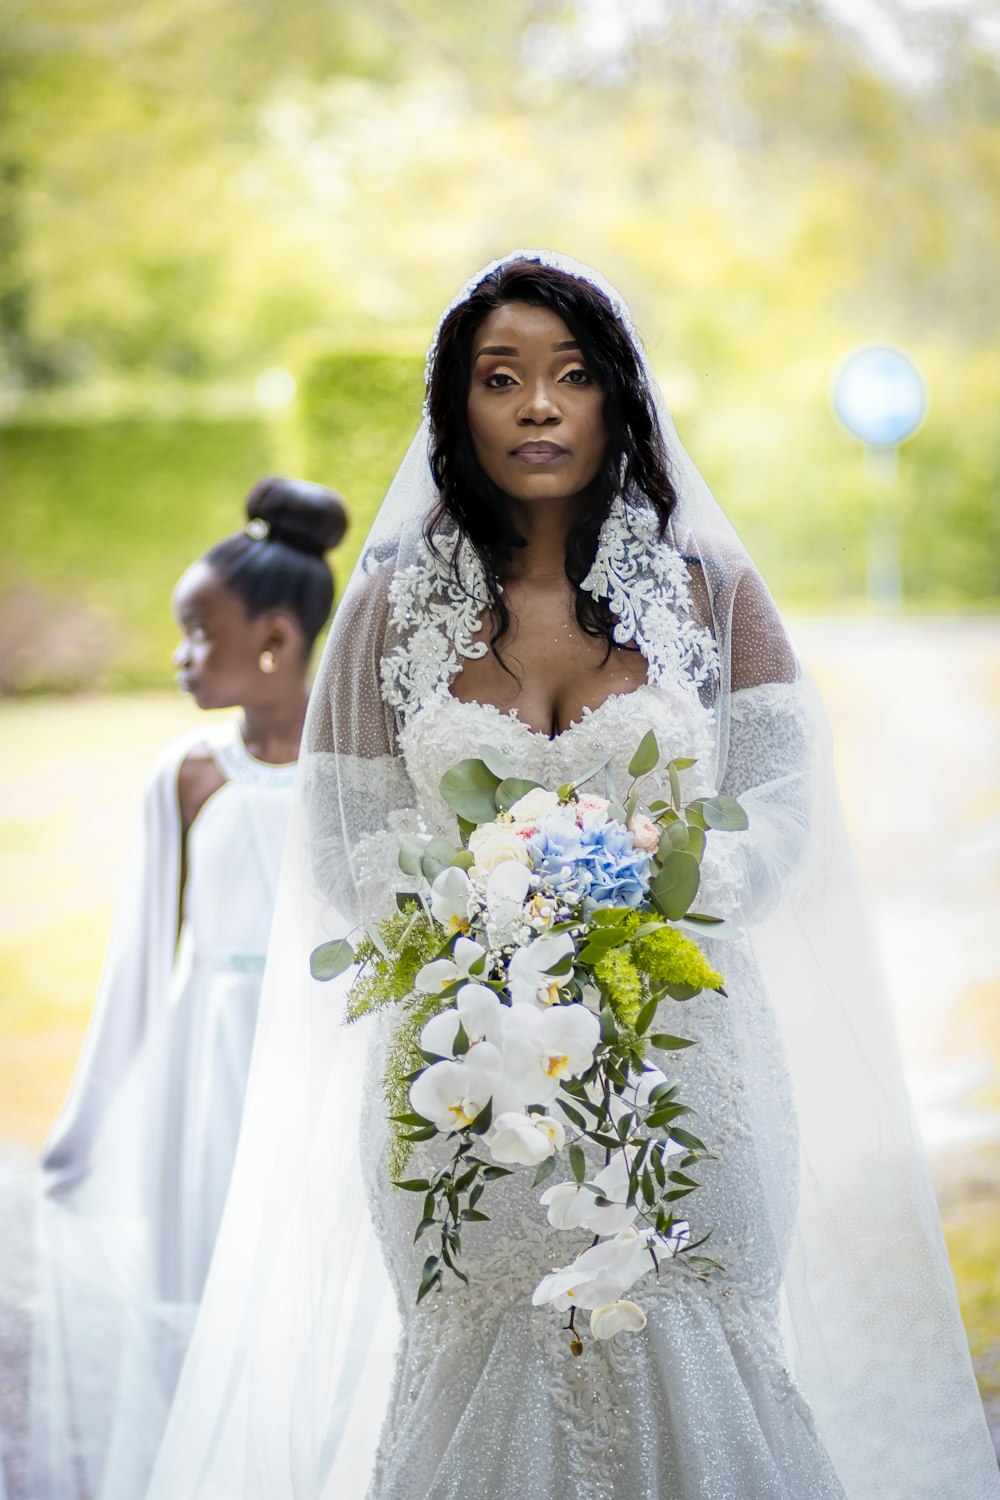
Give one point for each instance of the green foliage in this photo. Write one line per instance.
(385, 978)
(314, 202)
(103, 519)
(356, 413)
(668, 957)
(620, 985)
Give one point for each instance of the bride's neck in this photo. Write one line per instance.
(545, 528)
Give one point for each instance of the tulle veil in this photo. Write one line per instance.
(287, 1376)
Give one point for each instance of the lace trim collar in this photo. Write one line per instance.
(435, 610)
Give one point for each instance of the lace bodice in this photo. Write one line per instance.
(446, 730)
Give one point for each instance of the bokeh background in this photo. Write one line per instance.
(226, 230)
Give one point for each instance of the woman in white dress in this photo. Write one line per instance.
(135, 1173)
(550, 576)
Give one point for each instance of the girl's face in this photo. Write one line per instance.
(218, 659)
(535, 410)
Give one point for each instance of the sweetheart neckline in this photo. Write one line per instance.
(511, 715)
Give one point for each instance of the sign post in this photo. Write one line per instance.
(879, 396)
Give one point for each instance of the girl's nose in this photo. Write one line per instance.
(182, 655)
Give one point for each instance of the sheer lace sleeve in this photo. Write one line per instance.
(767, 764)
(357, 794)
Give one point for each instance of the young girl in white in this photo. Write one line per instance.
(135, 1173)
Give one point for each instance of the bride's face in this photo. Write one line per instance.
(535, 410)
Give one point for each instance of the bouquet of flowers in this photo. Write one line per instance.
(528, 964)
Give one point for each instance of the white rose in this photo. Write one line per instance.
(534, 805)
(493, 844)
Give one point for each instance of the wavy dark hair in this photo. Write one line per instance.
(635, 462)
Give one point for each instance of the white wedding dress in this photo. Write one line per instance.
(488, 1398)
(136, 1171)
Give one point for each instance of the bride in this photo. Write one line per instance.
(550, 575)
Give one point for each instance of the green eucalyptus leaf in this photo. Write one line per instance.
(695, 837)
(724, 813)
(512, 789)
(438, 855)
(645, 758)
(331, 959)
(411, 848)
(683, 762)
(578, 1162)
(483, 1120)
(675, 884)
(494, 760)
(675, 785)
(674, 836)
(667, 1043)
(413, 1185)
(469, 789)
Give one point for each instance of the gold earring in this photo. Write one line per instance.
(266, 662)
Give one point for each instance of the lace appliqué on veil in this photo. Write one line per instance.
(646, 585)
(435, 611)
(434, 615)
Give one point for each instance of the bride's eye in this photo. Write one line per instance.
(577, 376)
(499, 381)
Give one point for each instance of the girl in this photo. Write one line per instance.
(135, 1173)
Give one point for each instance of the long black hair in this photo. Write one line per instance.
(278, 561)
(635, 462)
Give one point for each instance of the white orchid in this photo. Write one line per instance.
(541, 1048)
(525, 1139)
(528, 975)
(453, 1094)
(477, 1010)
(466, 962)
(450, 898)
(604, 1273)
(571, 1205)
(506, 891)
(617, 1317)
(601, 1275)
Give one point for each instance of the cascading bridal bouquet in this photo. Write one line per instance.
(528, 966)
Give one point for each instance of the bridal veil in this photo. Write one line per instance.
(288, 1373)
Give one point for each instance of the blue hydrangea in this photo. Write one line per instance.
(597, 862)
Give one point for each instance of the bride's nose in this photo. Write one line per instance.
(540, 405)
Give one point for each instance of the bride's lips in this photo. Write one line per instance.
(539, 453)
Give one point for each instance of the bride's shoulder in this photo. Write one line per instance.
(728, 594)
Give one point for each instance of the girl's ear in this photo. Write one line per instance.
(282, 636)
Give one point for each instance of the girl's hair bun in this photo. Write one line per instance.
(308, 517)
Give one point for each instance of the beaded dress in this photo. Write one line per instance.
(701, 1404)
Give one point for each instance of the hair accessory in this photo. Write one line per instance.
(258, 529)
(266, 662)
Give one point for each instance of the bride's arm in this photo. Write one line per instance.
(767, 764)
(357, 794)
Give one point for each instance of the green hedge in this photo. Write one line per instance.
(356, 414)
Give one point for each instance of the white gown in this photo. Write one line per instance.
(135, 1174)
(488, 1399)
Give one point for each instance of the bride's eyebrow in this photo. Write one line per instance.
(508, 351)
